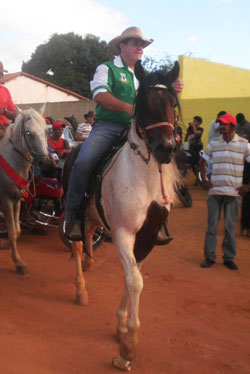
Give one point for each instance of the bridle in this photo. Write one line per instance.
(143, 135)
(142, 132)
(25, 134)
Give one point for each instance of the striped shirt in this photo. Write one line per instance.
(84, 129)
(228, 164)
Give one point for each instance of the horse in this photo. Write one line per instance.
(23, 145)
(136, 192)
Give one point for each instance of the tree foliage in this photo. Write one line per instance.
(68, 60)
(151, 64)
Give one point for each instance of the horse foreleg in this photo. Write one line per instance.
(134, 283)
(122, 314)
(17, 208)
(81, 292)
(13, 235)
(89, 232)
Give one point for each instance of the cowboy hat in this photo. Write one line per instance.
(130, 32)
(2, 70)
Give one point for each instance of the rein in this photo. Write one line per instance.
(137, 151)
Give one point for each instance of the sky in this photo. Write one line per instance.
(215, 30)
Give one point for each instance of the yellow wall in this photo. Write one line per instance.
(209, 108)
(205, 79)
(210, 87)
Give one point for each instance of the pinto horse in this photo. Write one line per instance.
(136, 193)
(23, 145)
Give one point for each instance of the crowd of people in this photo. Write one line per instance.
(114, 88)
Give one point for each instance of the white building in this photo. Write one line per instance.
(28, 89)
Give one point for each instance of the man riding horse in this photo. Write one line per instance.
(114, 89)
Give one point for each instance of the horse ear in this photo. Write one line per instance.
(19, 109)
(174, 73)
(139, 71)
(42, 109)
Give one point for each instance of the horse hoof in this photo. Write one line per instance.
(23, 270)
(82, 300)
(120, 363)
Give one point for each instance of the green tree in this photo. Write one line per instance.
(151, 64)
(68, 60)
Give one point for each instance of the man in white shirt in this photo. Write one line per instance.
(214, 129)
(229, 152)
(84, 129)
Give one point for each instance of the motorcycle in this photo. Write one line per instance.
(45, 203)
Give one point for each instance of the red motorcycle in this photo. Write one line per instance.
(45, 203)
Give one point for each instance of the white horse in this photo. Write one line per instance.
(136, 191)
(23, 145)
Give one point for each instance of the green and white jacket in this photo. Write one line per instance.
(118, 79)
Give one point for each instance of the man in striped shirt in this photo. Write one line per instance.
(229, 152)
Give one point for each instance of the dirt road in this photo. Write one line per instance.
(193, 320)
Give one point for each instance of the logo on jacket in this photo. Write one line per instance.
(123, 78)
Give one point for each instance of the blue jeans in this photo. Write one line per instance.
(100, 140)
(230, 204)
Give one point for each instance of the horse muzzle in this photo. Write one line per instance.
(42, 162)
(162, 153)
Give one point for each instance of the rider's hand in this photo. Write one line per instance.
(178, 85)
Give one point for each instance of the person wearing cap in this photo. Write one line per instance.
(229, 152)
(60, 146)
(7, 107)
(114, 87)
(84, 129)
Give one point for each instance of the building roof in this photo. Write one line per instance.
(9, 77)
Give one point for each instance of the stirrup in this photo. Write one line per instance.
(73, 230)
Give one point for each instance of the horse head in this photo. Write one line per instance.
(155, 113)
(29, 137)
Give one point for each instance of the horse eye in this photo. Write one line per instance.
(28, 133)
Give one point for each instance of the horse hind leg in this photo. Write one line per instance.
(81, 292)
(89, 232)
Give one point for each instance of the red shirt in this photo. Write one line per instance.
(57, 145)
(6, 103)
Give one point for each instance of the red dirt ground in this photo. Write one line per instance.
(193, 320)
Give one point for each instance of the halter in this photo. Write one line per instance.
(137, 151)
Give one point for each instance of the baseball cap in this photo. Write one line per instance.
(57, 124)
(227, 118)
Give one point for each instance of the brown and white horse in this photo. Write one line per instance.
(23, 145)
(137, 190)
